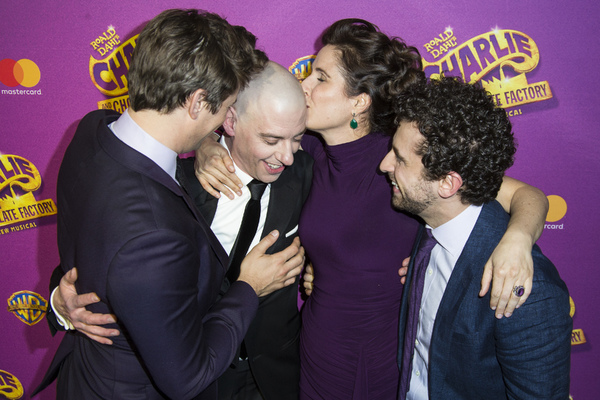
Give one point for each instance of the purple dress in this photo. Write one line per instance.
(356, 242)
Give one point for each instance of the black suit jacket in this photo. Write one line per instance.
(272, 341)
(138, 241)
(472, 354)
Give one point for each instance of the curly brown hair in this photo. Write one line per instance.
(464, 131)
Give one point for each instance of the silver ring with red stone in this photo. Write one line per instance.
(519, 291)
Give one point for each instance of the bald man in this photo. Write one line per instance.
(262, 132)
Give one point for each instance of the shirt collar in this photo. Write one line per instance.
(130, 133)
(244, 177)
(453, 235)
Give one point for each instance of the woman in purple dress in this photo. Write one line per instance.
(352, 235)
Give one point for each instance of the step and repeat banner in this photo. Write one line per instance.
(59, 61)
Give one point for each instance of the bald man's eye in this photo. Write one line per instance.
(271, 142)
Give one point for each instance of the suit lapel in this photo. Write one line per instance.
(406, 294)
(207, 205)
(466, 273)
(136, 161)
(284, 193)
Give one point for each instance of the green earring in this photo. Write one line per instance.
(353, 123)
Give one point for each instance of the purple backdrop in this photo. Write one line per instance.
(536, 56)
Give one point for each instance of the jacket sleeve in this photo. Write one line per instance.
(533, 345)
(162, 286)
(53, 324)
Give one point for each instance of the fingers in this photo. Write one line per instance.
(215, 171)
(82, 300)
(70, 277)
(214, 181)
(503, 298)
(486, 280)
(403, 271)
(98, 333)
(71, 307)
(208, 187)
(98, 338)
(405, 262)
(266, 242)
(269, 272)
(228, 162)
(308, 279)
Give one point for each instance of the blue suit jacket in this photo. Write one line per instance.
(138, 241)
(473, 355)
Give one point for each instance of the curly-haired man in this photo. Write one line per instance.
(449, 155)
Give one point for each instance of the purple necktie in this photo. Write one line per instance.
(414, 304)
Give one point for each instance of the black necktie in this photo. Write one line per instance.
(422, 257)
(247, 229)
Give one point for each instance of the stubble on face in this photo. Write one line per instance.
(415, 199)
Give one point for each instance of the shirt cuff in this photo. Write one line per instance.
(61, 320)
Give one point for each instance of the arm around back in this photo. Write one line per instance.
(161, 285)
(533, 346)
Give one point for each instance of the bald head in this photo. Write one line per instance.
(274, 90)
(265, 125)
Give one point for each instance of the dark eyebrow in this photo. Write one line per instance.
(398, 155)
(320, 70)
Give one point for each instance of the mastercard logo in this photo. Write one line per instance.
(558, 208)
(23, 72)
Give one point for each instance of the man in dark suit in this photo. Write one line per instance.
(262, 132)
(135, 235)
(449, 155)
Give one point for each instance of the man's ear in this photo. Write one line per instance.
(449, 185)
(196, 104)
(230, 122)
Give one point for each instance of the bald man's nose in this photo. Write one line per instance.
(286, 155)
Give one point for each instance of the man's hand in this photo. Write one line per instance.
(267, 273)
(214, 169)
(510, 265)
(71, 307)
(404, 270)
(309, 278)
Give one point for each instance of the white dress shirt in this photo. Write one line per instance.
(451, 237)
(228, 218)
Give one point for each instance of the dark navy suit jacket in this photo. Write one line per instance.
(138, 241)
(272, 341)
(473, 355)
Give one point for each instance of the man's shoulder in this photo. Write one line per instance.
(301, 168)
(302, 160)
(93, 117)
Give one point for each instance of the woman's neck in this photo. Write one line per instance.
(341, 136)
